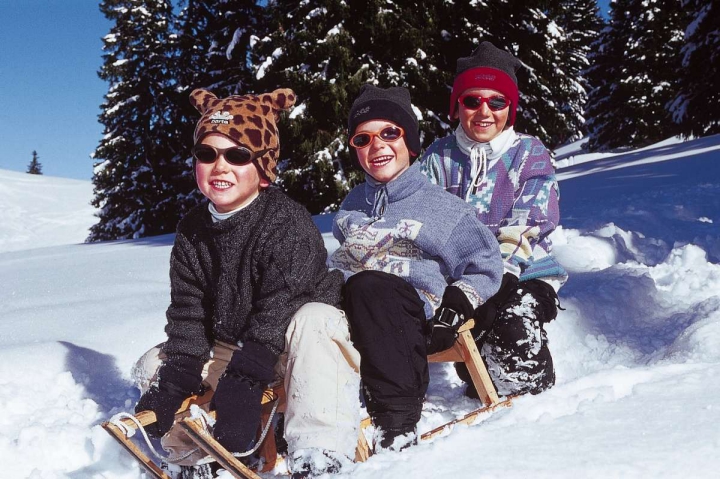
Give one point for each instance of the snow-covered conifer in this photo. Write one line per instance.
(696, 106)
(135, 163)
(633, 71)
(34, 167)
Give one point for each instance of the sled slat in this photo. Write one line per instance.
(195, 430)
(466, 419)
(145, 462)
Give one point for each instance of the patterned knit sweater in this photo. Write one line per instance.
(243, 278)
(516, 197)
(415, 230)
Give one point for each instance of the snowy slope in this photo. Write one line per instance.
(637, 349)
(38, 211)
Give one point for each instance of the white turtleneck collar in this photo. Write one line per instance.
(481, 152)
(217, 216)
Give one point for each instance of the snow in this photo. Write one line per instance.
(636, 350)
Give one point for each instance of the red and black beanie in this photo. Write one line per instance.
(487, 67)
(391, 104)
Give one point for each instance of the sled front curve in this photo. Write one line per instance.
(145, 418)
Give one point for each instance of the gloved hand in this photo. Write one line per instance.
(486, 313)
(454, 311)
(546, 297)
(238, 397)
(179, 378)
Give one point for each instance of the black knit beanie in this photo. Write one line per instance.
(487, 67)
(392, 104)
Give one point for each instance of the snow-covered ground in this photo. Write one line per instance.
(637, 349)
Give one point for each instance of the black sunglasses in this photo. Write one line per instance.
(387, 134)
(474, 102)
(235, 155)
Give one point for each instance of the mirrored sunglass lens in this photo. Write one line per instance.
(238, 156)
(471, 102)
(360, 140)
(497, 103)
(204, 154)
(390, 133)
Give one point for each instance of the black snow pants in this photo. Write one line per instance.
(510, 334)
(387, 327)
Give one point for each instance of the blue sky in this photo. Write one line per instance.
(50, 52)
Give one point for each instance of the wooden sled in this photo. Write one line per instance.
(464, 350)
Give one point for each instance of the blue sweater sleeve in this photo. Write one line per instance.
(472, 256)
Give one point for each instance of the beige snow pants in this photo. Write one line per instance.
(320, 369)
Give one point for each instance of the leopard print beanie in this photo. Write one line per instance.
(249, 120)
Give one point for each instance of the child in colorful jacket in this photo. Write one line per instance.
(409, 252)
(251, 300)
(509, 179)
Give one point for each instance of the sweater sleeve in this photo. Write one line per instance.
(186, 316)
(473, 261)
(431, 166)
(292, 260)
(535, 212)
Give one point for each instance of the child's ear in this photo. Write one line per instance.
(264, 182)
(203, 99)
(281, 99)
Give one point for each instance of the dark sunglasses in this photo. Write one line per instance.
(235, 155)
(387, 134)
(474, 102)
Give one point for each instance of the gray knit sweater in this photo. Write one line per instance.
(243, 278)
(415, 230)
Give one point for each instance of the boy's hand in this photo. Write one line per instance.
(164, 402)
(179, 378)
(238, 397)
(454, 311)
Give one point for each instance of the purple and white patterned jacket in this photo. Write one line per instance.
(517, 198)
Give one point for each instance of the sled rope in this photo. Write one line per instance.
(263, 435)
(116, 420)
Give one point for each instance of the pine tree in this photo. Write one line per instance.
(310, 52)
(551, 96)
(34, 168)
(136, 167)
(581, 23)
(326, 50)
(633, 73)
(696, 105)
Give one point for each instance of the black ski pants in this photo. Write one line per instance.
(387, 327)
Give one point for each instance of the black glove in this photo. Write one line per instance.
(178, 378)
(238, 398)
(486, 313)
(546, 297)
(454, 311)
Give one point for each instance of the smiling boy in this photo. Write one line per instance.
(408, 250)
(251, 299)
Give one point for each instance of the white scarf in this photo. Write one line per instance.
(480, 152)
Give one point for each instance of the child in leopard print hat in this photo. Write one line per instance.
(252, 302)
